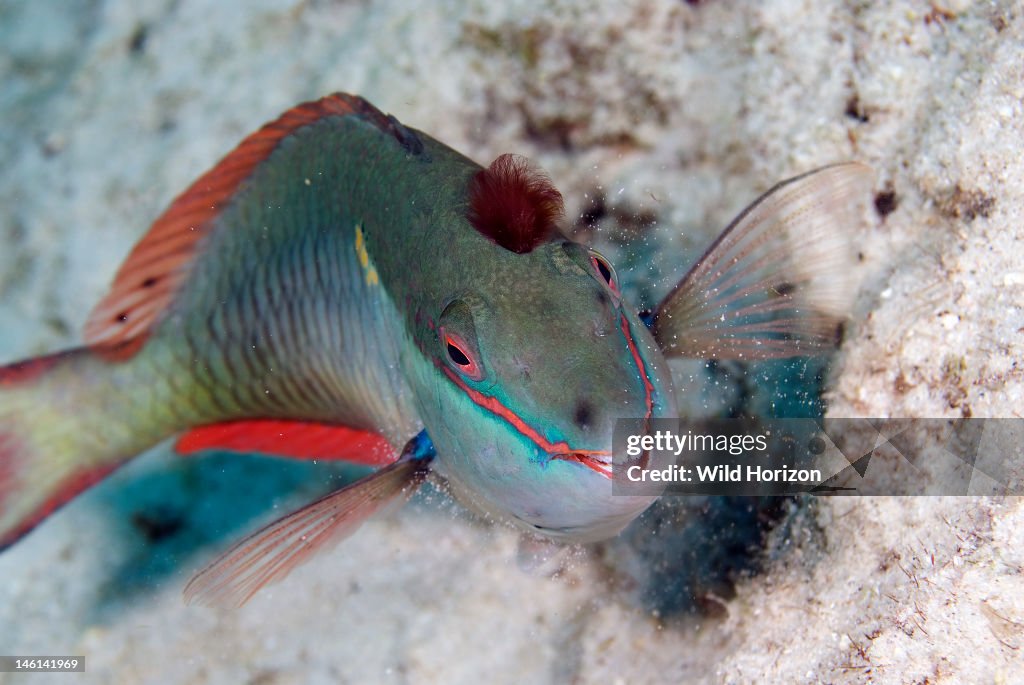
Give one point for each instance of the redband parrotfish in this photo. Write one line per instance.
(342, 286)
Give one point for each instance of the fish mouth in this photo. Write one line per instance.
(599, 462)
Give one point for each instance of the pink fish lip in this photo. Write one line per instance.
(596, 460)
(600, 461)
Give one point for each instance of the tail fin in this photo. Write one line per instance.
(62, 429)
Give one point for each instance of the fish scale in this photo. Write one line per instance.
(314, 367)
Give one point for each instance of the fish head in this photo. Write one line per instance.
(536, 358)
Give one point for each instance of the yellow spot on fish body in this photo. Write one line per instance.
(364, 258)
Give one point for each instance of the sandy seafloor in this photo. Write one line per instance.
(658, 120)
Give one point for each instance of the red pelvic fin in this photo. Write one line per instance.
(149, 279)
(297, 439)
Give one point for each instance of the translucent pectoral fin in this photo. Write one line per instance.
(271, 553)
(778, 282)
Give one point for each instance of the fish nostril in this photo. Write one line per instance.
(584, 414)
(521, 366)
(602, 330)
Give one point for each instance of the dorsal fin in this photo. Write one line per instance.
(149, 279)
(514, 204)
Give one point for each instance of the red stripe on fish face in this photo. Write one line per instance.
(640, 366)
(560, 450)
(494, 405)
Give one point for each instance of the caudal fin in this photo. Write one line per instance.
(62, 429)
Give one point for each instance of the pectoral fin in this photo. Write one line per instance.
(271, 553)
(778, 282)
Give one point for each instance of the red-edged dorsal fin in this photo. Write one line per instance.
(297, 439)
(149, 279)
(514, 204)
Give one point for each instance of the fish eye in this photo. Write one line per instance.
(604, 270)
(460, 356)
(593, 263)
(456, 354)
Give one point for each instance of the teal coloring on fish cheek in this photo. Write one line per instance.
(491, 403)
